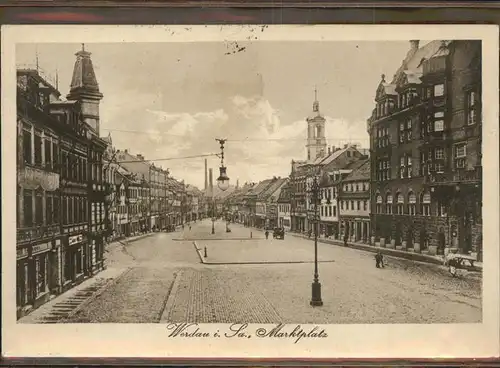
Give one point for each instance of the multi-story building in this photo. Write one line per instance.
(284, 199)
(425, 137)
(354, 198)
(256, 207)
(59, 182)
(337, 160)
(84, 91)
(267, 202)
(39, 238)
(122, 203)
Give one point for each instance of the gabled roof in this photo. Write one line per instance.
(272, 188)
(361, 172)
(259, 188)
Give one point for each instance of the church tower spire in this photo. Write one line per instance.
(316, 102)
(316, 140)
(84, 88)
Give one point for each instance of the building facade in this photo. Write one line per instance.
(425, 137)
(59, 165)
(284, 208)
(354, 198)
(39, 235)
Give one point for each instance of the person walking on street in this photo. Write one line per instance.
(379, 260)
(267, 234)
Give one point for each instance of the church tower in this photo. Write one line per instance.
(84, 88)
(316, 140)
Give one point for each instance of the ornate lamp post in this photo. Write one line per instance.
(316, 300)
(223, 179)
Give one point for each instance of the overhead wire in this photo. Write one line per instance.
(247, 139)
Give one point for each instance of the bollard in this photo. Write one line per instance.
(205, 255)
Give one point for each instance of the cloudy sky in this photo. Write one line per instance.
(168, 100)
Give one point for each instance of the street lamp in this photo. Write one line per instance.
(316, 285)
(222, 180)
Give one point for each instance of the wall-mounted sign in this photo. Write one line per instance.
(40, 248)
(75, 239)
(22, 252)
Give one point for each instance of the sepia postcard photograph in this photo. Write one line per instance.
(250, 191)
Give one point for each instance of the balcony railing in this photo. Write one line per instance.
(33, 177)
(36, 233)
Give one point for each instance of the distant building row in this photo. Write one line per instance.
(419, 188)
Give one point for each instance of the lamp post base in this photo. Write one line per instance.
(316, 295)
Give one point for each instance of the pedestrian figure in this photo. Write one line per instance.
(189, 227)
(379, 260)
(345, 240)
(309, 233)
(267, 234)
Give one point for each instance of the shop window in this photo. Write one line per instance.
(38, 149)
(426, 204)
(68, 262)
(27, 147)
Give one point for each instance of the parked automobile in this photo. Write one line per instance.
(279, 233)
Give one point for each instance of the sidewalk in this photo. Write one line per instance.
(68, 302)
(125, 241)
(438, 260)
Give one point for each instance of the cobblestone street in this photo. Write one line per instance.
(168, 283)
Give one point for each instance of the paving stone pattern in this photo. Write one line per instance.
(137, 297)
(207, 296)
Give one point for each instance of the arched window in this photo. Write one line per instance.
(379, 203)
(389, 203)
(400, 204)
(426, 204)
(412, 203)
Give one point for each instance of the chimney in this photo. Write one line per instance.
(206, 173)
(237, 183)
(414, 45)
(345, 146)
(333, 149)
(329, 150)
(126, 150)
(211, 181)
